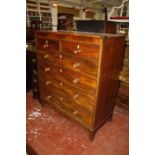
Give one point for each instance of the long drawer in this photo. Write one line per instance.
(77, 112)
(70, 107)
(46, 69)
(79, 97)
(78, 65)
(72, 63)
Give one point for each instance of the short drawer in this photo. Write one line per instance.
(47, 44)
(89, 51)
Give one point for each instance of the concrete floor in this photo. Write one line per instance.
(48, 133)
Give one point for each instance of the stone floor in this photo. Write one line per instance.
(48, 133)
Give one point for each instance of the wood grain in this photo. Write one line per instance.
(81, 85)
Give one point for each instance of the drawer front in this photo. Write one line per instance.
(72, 108)
(81, 50)
(45, 93)
(47, 44)
(78, 65)
(87, 101)
(86, 83)
(75, 64)
(46, 69)
(59, 99)
(51, 56)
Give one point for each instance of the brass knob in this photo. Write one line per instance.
(61, 70)
(75, 96)
(77, 64)
(47, 69)
(33, 60)
(47, 83)
(46, 44)
(46, 56)
(34, 72)
(61, 98)
(61, 83)
(76, 51)
(35, 80)
(60, 56)
(78, 46)
(48, 97)
(75, 112)
(76, 80)
(35, 90)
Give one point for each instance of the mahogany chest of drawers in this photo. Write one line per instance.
(78, 74)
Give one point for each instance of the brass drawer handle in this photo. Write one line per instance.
(76, 80)
(35, 80)
(61, 70)
(47, 83)
(75, 96)
(47, 69)
(61, 83)
(34, 72)
(46, 56)
(34, 60)
(48, 97)
(77, 64)
(61, 98)
(75, 112)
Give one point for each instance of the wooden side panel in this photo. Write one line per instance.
(110, 27)
(108, 82)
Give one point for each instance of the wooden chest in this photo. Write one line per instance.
(78, 74)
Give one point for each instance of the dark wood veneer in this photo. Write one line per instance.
(80, 85)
